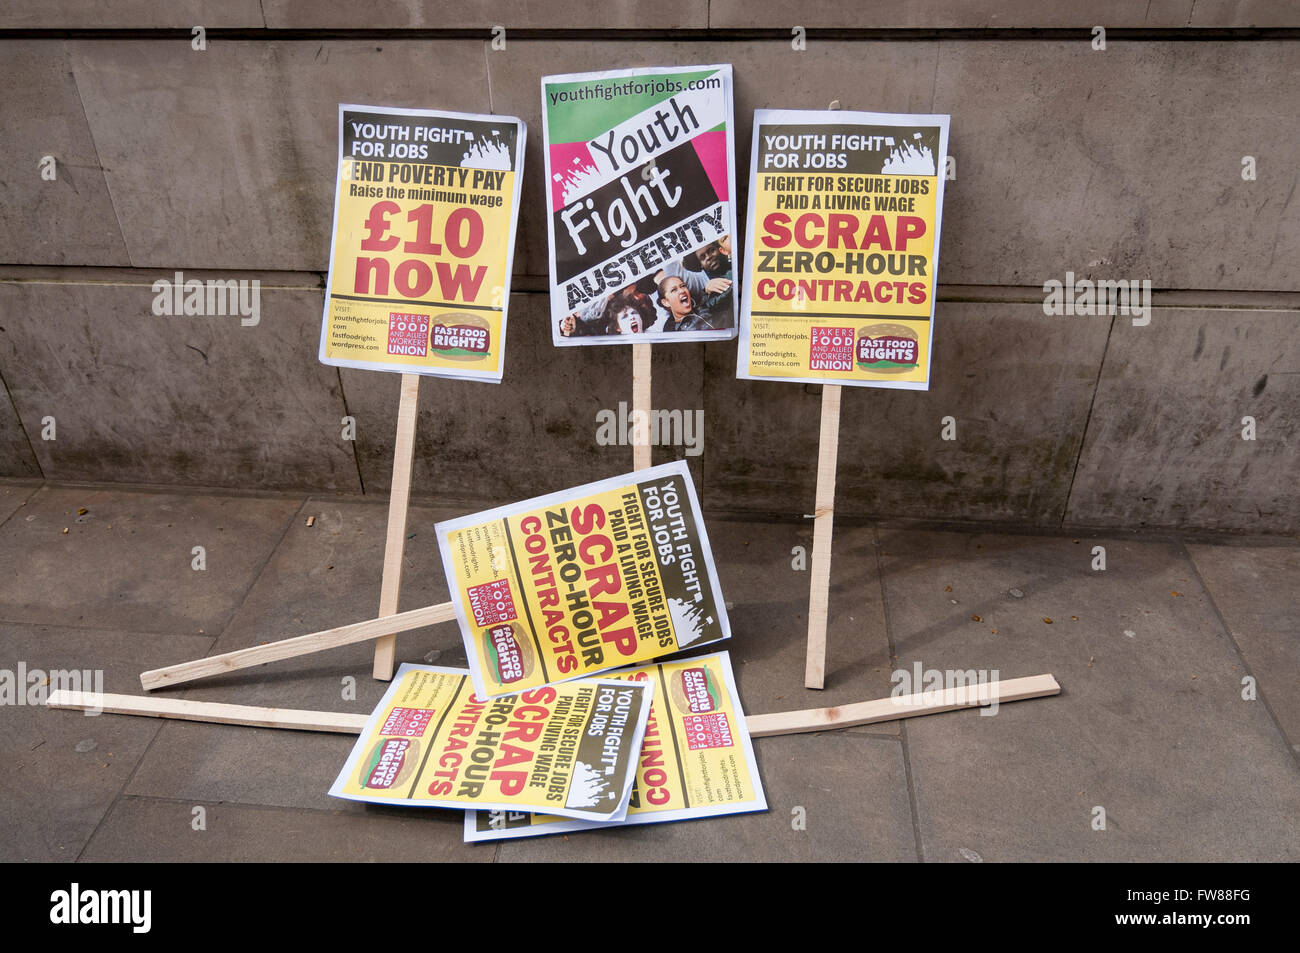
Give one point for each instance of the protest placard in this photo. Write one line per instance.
(640, 176)
(568, 749)
(697, 759)
(583, 581)
(840, 270)
(423, 241)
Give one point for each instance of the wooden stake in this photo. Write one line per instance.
(828, 447)
(302, 645)
(760, 726)
(220, 714)
(399, 497)
(641, 405)
(902, 706)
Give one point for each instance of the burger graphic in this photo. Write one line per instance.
(391, 762)
(461, 336)
(509, 658)
(887, 349)
(693, 691)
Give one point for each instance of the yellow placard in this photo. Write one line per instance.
(568, 749)
(585, 581)
(845, 210)
(423, 241)
(696, 760)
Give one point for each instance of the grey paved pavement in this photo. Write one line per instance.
(1174, 738)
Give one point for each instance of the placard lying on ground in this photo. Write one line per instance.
(640, 174)
(423, 241)
(567, 749)
(583, 581)
(844, 216)
(697, 759)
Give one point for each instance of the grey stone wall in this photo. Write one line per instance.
(1121, 163)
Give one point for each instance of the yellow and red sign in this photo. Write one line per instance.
(423, 242)
(591, 579)
(844, 217)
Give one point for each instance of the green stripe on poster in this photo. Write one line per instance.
(580, 120)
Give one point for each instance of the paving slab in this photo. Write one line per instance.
(127, 561)
(1150, 726)
(852, 789)
(138, 397)
(13, 496)
(63, 769)
(156, 831)
(1255, 590)
(1176, 399)
(767, 602)
(321, 576)
(67, 220)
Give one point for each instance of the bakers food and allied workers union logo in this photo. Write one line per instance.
(693, 691)
(888, 348)
(510, 658)
(391, 762)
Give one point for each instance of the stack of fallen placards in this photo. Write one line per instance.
(550, 593)
(563, 719)
(662, 742)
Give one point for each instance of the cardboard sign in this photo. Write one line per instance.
(423, 242)
(697, 759)
(583, 581)
(568, 749)
(840, 272)
(640, 176)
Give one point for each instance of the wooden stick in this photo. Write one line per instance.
(828, 447)
(398, 499)
(902, 706)
(209, 711)
(760, 726)
(641, 405)
(302, 645)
